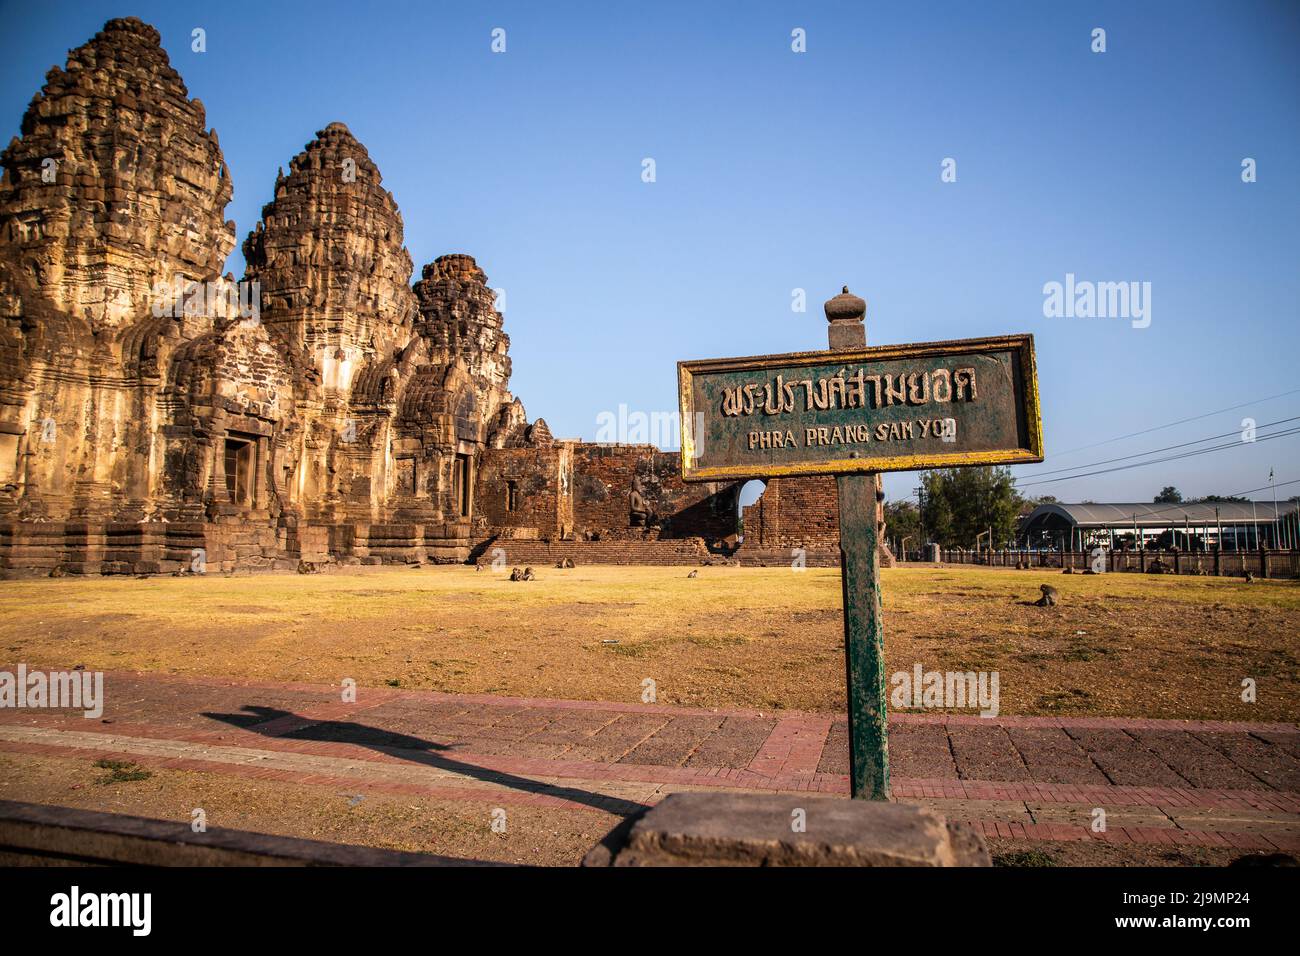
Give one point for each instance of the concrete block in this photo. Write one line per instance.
(728, 828)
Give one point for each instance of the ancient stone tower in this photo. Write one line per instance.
(114, 186)
(155, 416)
(158, 417)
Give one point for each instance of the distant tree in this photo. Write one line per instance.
(903, 520)
(958, 504)
(1212, 499)
(1169, 495)
(936, 511)
(1029, 503)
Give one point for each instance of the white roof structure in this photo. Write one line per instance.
(1148, 515)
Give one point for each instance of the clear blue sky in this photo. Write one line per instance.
(778, 170)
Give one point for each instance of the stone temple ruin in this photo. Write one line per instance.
(154, 414)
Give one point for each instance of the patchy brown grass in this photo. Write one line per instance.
(1119, 644)
(540, 836)
(1035, 853)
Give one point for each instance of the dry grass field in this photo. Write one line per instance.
(538, 836)
(415, 823)
(1119, 645)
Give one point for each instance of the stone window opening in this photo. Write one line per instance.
(407, 476)
(512, 495)
(460, 484)
(241, 460)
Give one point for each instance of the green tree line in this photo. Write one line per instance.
(955, 505)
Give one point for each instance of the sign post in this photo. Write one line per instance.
(852, 412)
(864, 631)
(864, 637)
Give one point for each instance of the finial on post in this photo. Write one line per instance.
(845, 313)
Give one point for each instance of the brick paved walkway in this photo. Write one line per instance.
(1175, 782)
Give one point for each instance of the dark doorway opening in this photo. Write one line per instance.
(460, 484)
(241, 459)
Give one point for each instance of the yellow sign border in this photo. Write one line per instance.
(1023, 343)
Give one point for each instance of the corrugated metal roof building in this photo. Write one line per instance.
(1189, 525)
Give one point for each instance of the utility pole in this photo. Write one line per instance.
(1273, 481)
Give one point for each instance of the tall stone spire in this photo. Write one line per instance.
(458, 315)
(115, 184)
(329, 255)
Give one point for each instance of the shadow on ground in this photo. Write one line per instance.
(271, 722)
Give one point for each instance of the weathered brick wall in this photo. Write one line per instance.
(603, 484)
(584, 490)
(801, 512)
(603, 476)
(535, 473)
(752, 556)
(794, 512)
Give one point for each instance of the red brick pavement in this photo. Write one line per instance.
(1170, 782)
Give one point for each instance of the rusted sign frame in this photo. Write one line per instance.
(1022, 344)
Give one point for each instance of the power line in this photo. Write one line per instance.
(1157, 461)
(1147, 510)
(1181, 421)
(1173, 506)
(1156, 451)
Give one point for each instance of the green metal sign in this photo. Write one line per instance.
(853, 411)
(890, 408)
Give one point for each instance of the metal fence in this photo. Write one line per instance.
(1264, 563)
